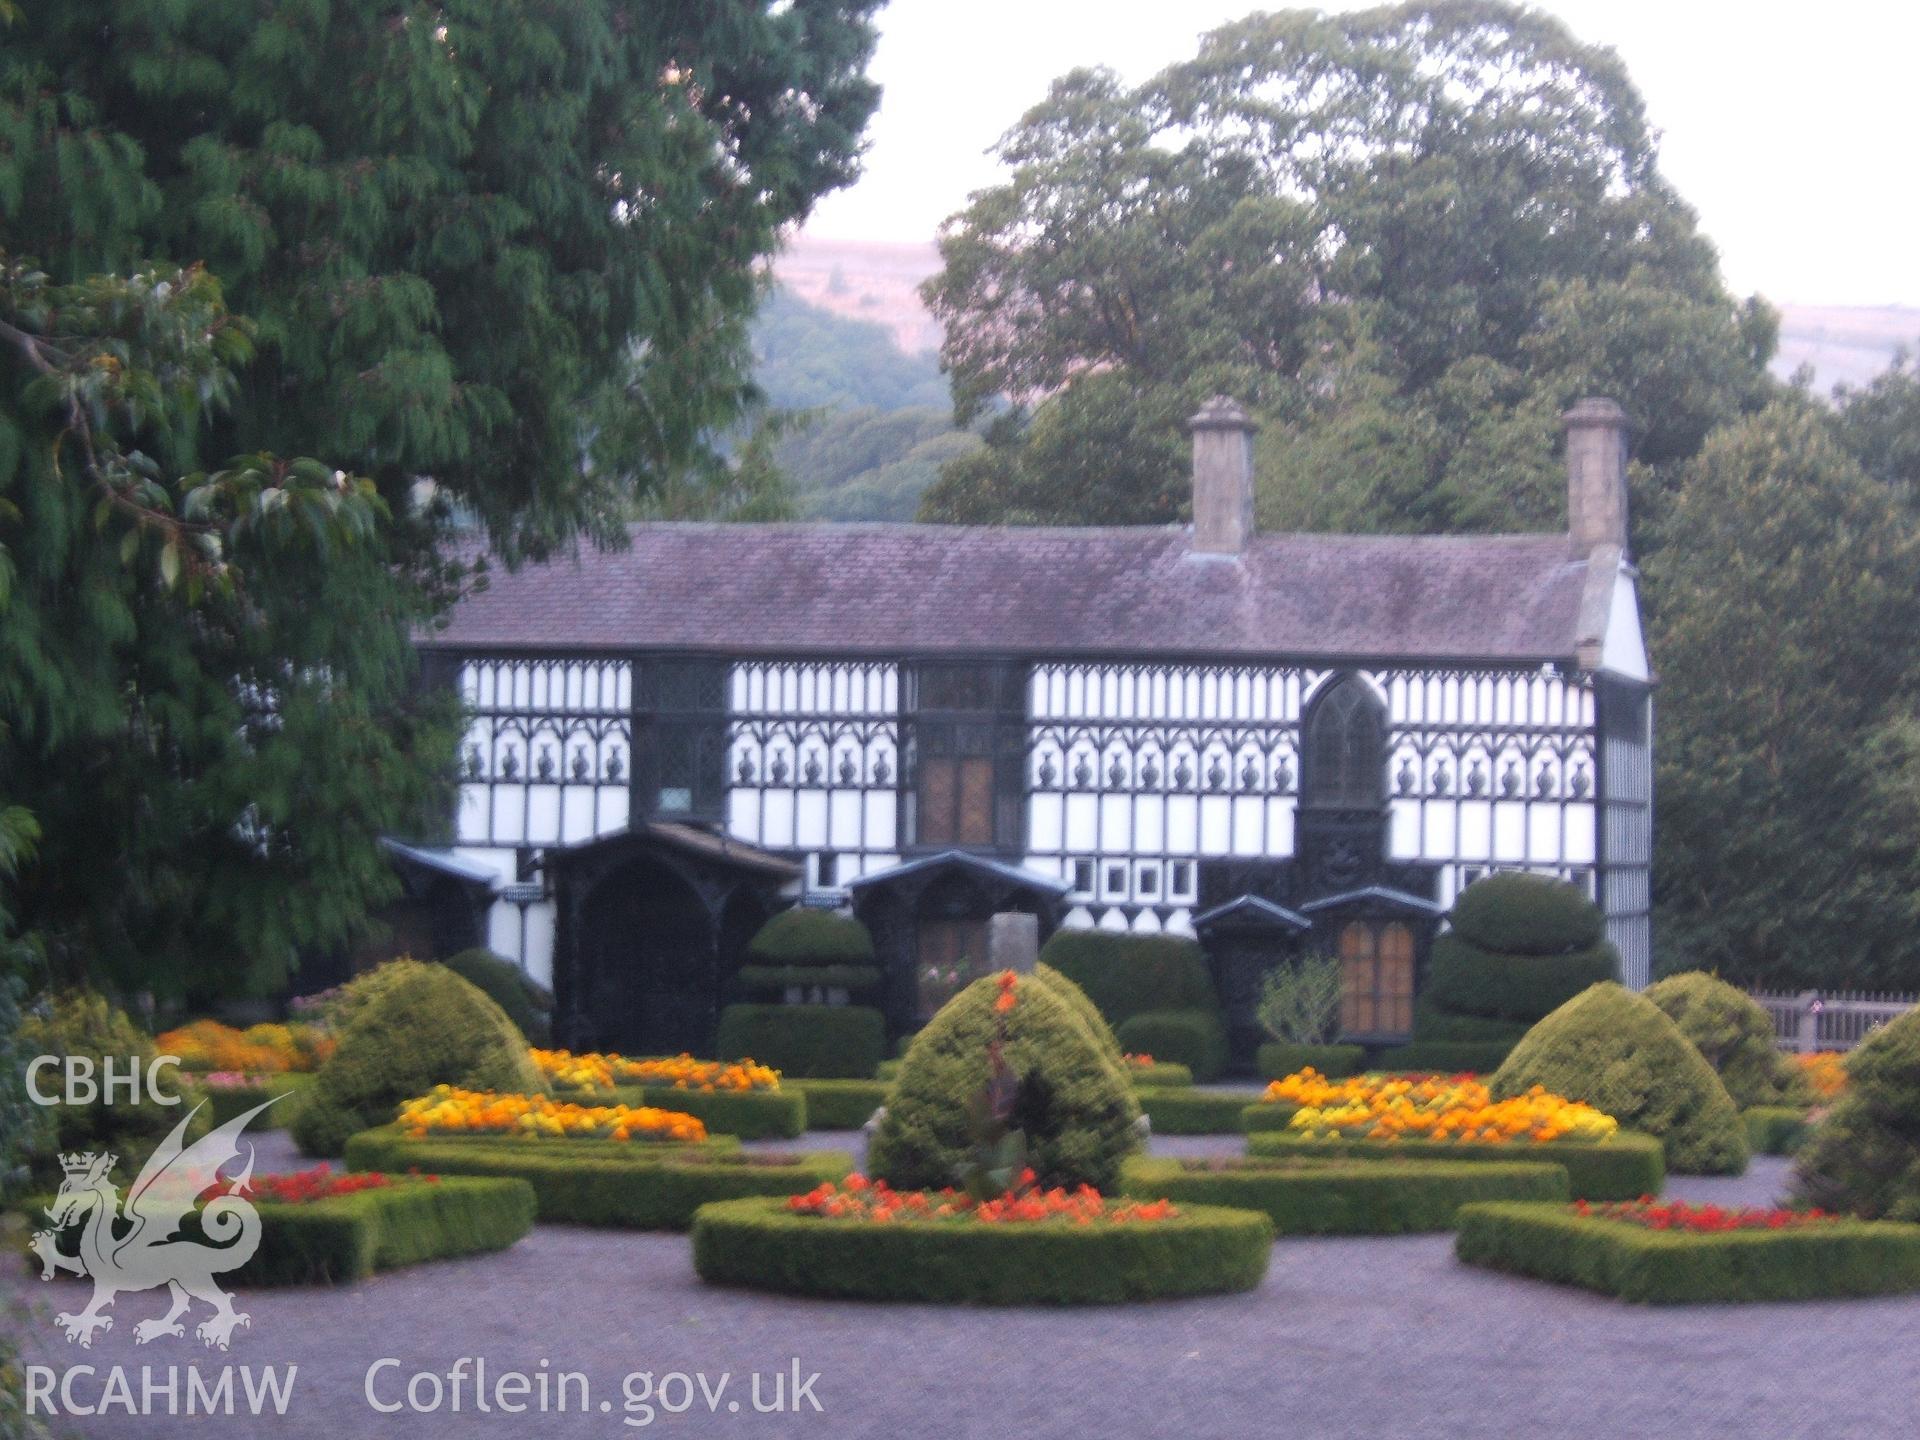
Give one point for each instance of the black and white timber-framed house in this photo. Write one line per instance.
(1267, 741)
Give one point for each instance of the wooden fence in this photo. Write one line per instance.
(1830, 1020)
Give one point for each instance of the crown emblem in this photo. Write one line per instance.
(79, 1163)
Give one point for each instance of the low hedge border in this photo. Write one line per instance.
(841, 1104)
(887, 1071)
(228, 1101)
(345, 1238)
(1277, 1059)
(1268, 1115)
(1193, 1112)
(761, 1245)
(1343, 1197)
(1671, 1267)
(1161, 1073)
(748, 1114)
(604, 1182)
(820, 1042)
(1623, 1168)
(1776, 1129)
(1447, 1057)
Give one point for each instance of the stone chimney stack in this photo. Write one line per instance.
(1596, 475)
(1222, 477)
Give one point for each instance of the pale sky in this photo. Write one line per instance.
(1789, 127)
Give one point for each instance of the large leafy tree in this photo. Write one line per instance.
(1786, 625)
(1417, 220)
(507, 249)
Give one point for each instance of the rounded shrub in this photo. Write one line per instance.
(1618, 1052)
(1088, 1012)
(803, 936)
(528, 1003)
(1077, 1110)
(1124, 975)
(1465, 980)
(815, 1042)
(409, 1027)
(1735, 1035)
(1864, 1158)
(1193, 1038)
(1519, 914)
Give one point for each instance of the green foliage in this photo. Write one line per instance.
(1409, 308)
(749, 1114)
(1193, 1038)
(1300, 1001)
(1521, 914)
(809, 977)
(84, 1024)
(228, 1101)
(528, 1003)
(1785, 569)
(804, 936)
(1656, 1267)
(840, 1104)
(1077, 1001)
(806, 357)
(1332, 1197)
(1175, 1111)
(409, 1027)
(1465, 980)
(1276, 1061)
(26, 1129)
(349, 1237)
(820, 1042)
(605, 1182)
(1266, 1115)
(1776, 1129)
(1125, 974)
(1433, 1024)
(1865, 1156)
(1618, 1052)
(1735, 1035)
(761, 1245)
(1161, 1075)
(1622, 1168)
(1076, 1111)
(1449, 1057)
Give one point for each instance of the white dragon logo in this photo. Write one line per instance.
(136, 1250)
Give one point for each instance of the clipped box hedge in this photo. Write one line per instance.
(1277, 1059)
(749, 1114)
(1776, 1129)
(227, 1101)
(841, 1104)
(1194, 1038)
(1675, 1267)
(345, 1238)
(1622, 1168)
(1447, 1057)
(1343, 1197)
(824, 1042)
(603, 1182)
(1162, 1074)
(1267, 1115)
(1193, 1112)
(762, 1245)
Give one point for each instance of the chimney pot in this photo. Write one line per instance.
(1222, 477)
(1596, 475)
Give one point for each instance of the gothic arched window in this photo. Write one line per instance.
(1346, 749)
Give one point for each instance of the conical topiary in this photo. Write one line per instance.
(1077, 1110)
(1734, 1034)
(1088, 1012)
(1864, 1158)
(1618, 1052)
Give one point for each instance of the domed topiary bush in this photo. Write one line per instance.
(1618, 1052)
(1150, 979)
(1088, 1012)
(528, 1003)
(407, 1028)
(1519, 947)
(1735, 1035)
(1864, 1158)
(810, 950)
(1076, 1109)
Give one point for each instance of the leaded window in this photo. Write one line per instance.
(1345, 763)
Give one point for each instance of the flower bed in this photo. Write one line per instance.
(1310, 1196)
(1776, 1129)
(841, 1104)
(1618, 1168)
(1825, 1072)
(1175, 1111)
(448, 1110)
(206, 1045)
(230, 1092)
(1433, 1108)
(1073, 1249)
(1707, 1259)
(598, 1182)
(592, 1070)
(323, 1227)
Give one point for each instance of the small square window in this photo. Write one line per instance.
(1149, 882)
(676, 799)
(829, 871)
(1083, 877)
(1116, 880)
(1180, 879)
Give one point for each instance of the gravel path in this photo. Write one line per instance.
(1365, 1338)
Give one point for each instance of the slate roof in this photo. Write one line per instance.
(1141, 590)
